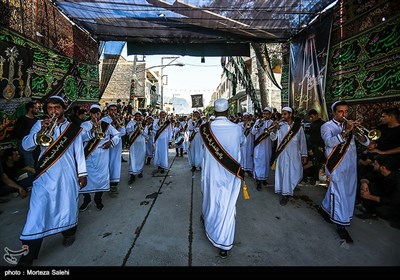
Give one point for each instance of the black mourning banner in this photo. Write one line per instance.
(197, 100)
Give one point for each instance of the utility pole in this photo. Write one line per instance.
(162, 76)
(133, 82)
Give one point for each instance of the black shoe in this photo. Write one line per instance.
(85, 205)
(140, 175)
(324, 215)
(148, 161)
(99, 205)
(123, 160)
(223, 254)
(162, 171)
(250, 174)
(258, 186)
(113, 190)
(131, 179)
(68, 241)
(193, 168)
(264, 182)
(344, 234)
(284, 200)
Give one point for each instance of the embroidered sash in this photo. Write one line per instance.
(161, 130)
(337, 154)
(94, 142)
(134, 136)
(288, 138)
(219, 153)
(57, 149)
(260, 138)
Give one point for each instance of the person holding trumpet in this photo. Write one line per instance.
(291, 154)
(98, 137)
(262, 148)
(116, 151)
(60, 172)
(339, 136)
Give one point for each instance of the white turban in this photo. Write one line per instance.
(221, 105)
(287, 109)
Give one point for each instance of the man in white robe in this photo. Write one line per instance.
(338, 204)
(161, 142)
(54, 199)
(195, 150)
(247, 149)
(262, 148)
(137, 149)
(149, 139)
(117, 122)
(220, 188)
(98, 159)
(290, 161)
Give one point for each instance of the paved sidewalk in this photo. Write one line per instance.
(156, 222)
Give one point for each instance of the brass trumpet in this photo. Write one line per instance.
(248, 125)
(373, 134)
(98, 132)
(272, 128)
(45, 139)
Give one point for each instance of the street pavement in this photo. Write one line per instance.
(155, 222)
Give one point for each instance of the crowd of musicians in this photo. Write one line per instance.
(89, 145)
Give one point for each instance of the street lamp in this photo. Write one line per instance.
(162, 76)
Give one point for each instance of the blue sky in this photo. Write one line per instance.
(192, 78)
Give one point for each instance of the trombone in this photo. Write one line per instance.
(373, 134)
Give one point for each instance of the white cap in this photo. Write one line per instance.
(138, 112)
(111, 104)
(245, 114)
(221, 105)
(269, 109)
(287, 109)
(57, 97)
(150, 117)
(212, 118)
(95, 106)
(163, 111)
(334, 104)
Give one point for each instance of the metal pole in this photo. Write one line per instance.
(162, 84)
(131, 94)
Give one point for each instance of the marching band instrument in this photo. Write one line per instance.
(45, 139)
(248, 125)
(259, 124)
(373, 134)
(273, 128)
(98, 132)
(161, 122)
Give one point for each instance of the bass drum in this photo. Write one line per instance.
(179, 140)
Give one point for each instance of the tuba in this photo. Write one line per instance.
(45, 139)
(248, 125)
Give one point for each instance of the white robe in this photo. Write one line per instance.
(115, 154)
(247, 151)
(262, 152)
(54, 199)
(289, 168)
(137, 151)
(219, 187)
(98, 162)
(195, 150)
(161, 146)
(341, 194)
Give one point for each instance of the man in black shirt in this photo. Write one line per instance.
(389, 142)
(316, 144)
(23, 127)
(381, 191)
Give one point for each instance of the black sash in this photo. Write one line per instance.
(260, 138)
(134, 136)
(288, 137)
(160, 130)
(192, 135)
(246, 131)
(57, 149)
(93, 143)
(337, 154)
(219, 153)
